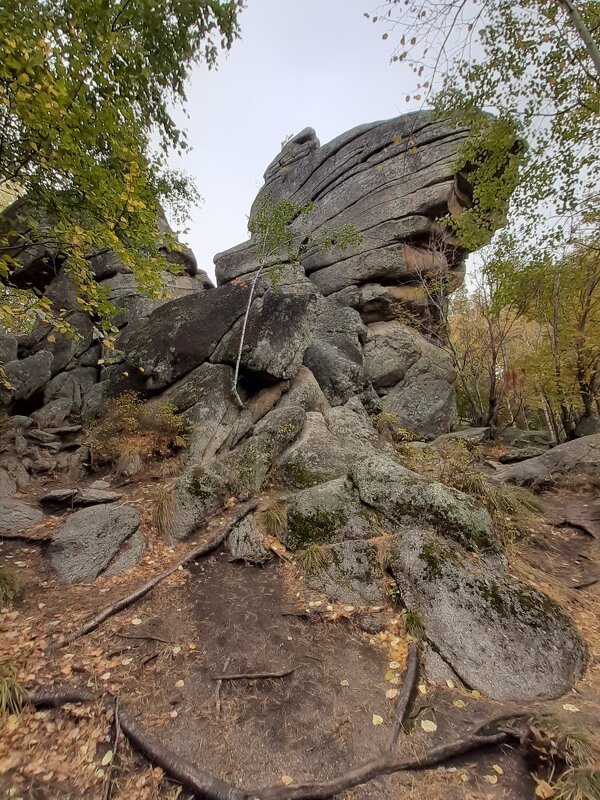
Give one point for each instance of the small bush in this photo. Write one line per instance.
(12, 695)
(386, 424)
(578, 783)
(131, 432)
(311, 560)
(9, 587)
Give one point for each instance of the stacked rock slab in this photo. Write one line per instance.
(390, 182)
(323, 354)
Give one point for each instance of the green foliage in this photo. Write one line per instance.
(536, 65)
(9, 587)
(12, 695)
(347, 236)
(275, 519)
(131, 431)
(311, 559)
(386, 424)
(86, 87)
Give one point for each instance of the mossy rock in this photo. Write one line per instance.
(402, 495)
(502, 637)
(327, 513)
(351, 573)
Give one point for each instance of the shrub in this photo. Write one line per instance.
(413, 624)
(131, 432)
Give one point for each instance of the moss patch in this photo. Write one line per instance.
(318, 528)
(299, 477)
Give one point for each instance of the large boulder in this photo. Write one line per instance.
(402, 495)
(579, 457)
(501, 637)
(414, 377)
(100, 540)
(26, 377)
(335, 356)
(16, 516)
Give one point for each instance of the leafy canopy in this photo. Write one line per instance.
(86, 86)
(533, 63)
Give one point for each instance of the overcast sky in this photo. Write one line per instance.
(300, 63)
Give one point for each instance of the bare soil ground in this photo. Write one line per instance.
(161, 657)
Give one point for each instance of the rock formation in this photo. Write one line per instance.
(326, 348)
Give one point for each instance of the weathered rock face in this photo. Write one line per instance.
(580, 457)
(324, 352)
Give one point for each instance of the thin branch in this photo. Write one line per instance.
(253, 676)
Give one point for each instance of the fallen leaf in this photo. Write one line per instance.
(428, 725)
(176, 650)
(389, 675)
(493, 779)
(179, 684)
(458, 704)
(422, 688)
(173, 714)
(497, 768)
(344, 683)
(570, 707)
(105, 676)
(107, 758)
(475, 694)
(286, 780)
(450, 684)
(391, 693)
(127, 661)
(394, 665)
(543, 790)
(136, 621)
(377, 720)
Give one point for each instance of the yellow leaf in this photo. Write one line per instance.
(493, 779)
(543, 790)
(428, 725)
(450, 684)
(497, 768)
(377, 720)
(570, 707)
(286, 780)
(391, 693)
(476, 694)
(458, 704)
(107, 758)
(136, 621)
(389, 675)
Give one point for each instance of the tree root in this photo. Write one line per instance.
(146, 587)
(254, 676)
(57, 696)
(489, 733)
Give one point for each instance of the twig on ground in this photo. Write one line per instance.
(403, 703)
(585, 583)
(143, 637)
(218, 687)
(107, 791)
(146, 587)
(254, 676)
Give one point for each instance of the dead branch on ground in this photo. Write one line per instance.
(125, 602)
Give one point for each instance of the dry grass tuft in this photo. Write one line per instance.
(311, 559)
(275, 519)
(9, 587)
(12, 695)
(164, 513)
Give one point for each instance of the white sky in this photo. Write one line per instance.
(300, 63)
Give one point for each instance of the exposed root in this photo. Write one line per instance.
(57, 696)
(146, 587)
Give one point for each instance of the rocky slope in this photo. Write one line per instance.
(323, 353)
